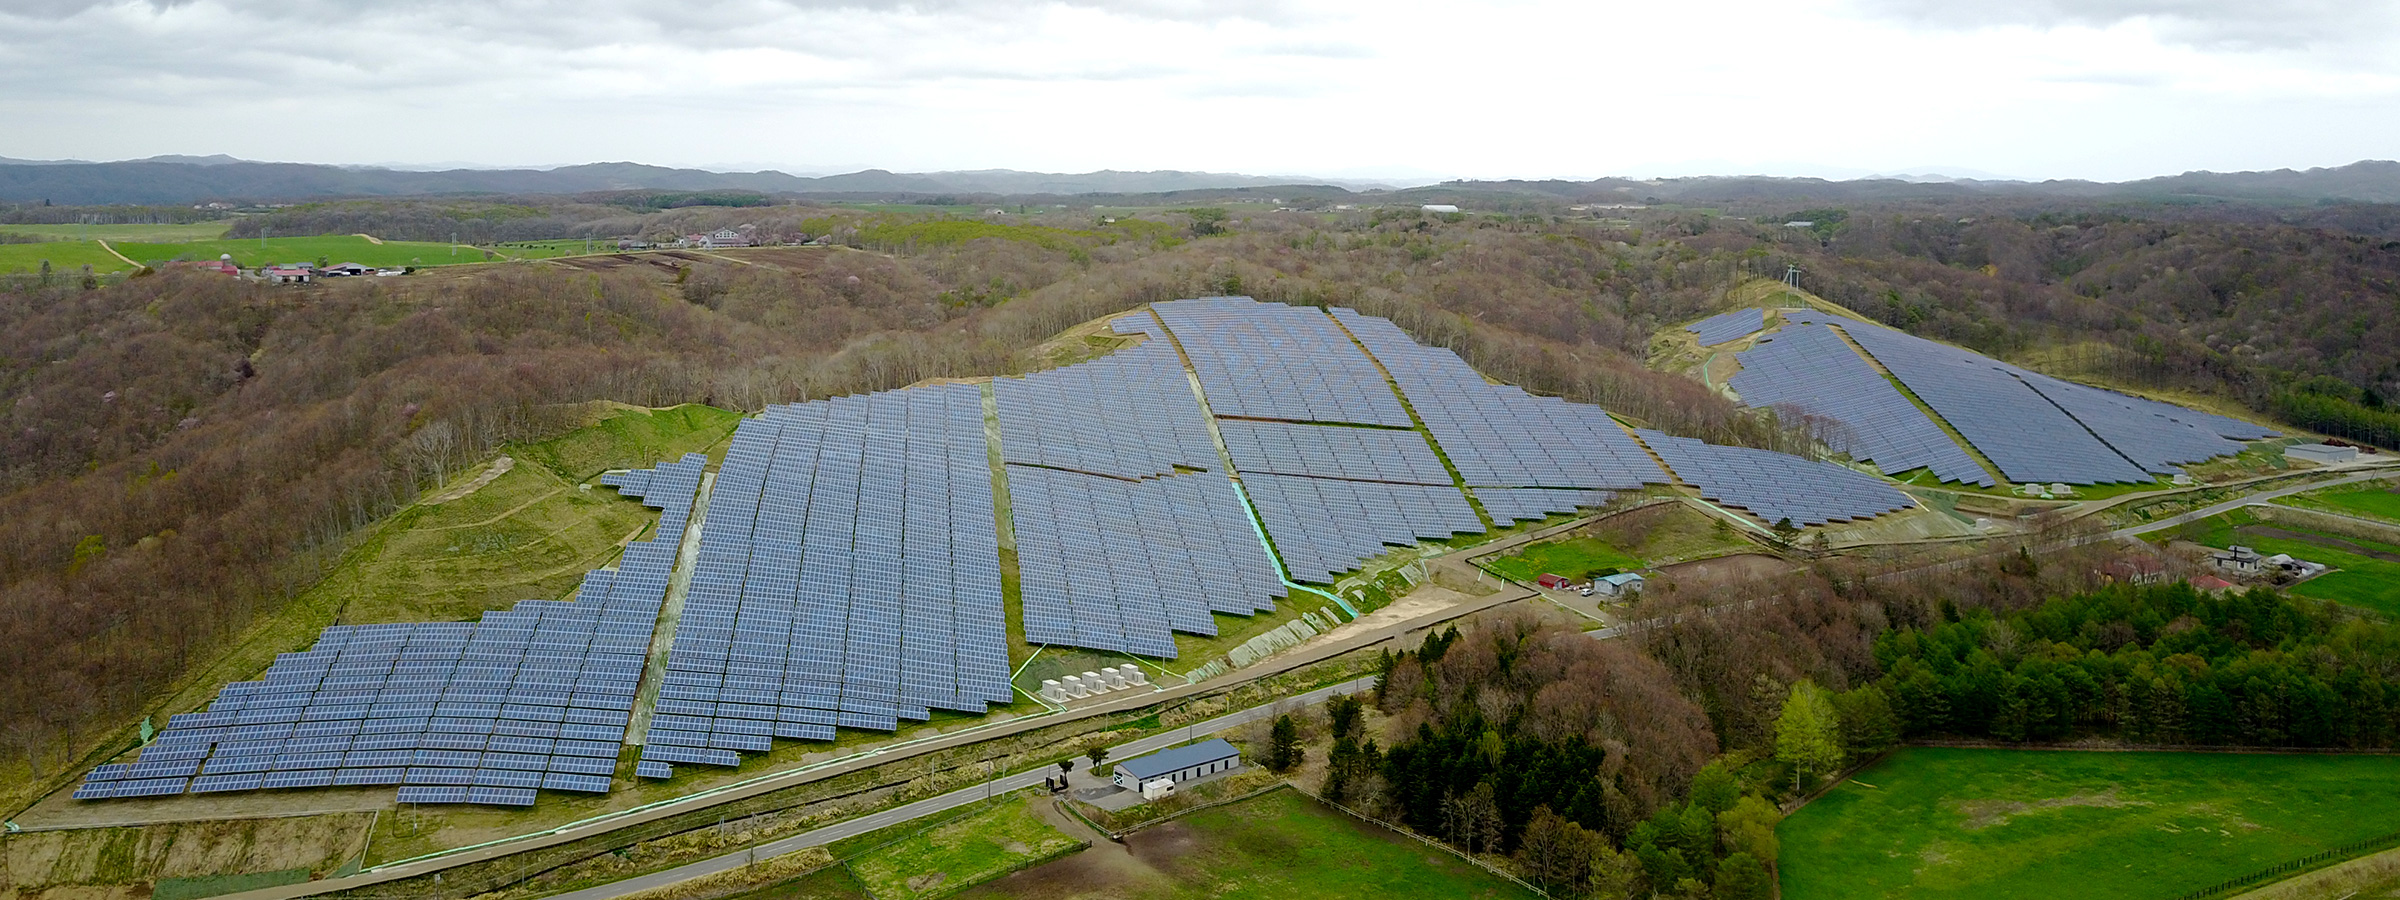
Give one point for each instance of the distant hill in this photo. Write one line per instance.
(171, 180)
(2367, 181)
(193, 179)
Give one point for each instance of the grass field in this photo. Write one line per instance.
(65, 257)
(72, 255)
(1949, 823)
(1280, 844)
(939, 861)
(2377, 500)
(1573, 557)
(162, 234)
(2363, 581)
(331, 248)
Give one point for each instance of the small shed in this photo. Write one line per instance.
(1178, 764)
(2323, 454)
(1554, 582)
(1618, 585)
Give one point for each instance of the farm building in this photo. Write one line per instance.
(718, 239)
(345, 270)
(1618, 585)
(2320, 453)
(2238, 558)
(287, 274)
(1177, 764)
(1438, 208)
(1555, 582)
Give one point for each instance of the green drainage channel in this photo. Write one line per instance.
(1256, 526)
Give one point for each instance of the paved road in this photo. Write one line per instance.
(2239, 502)
(945, 802)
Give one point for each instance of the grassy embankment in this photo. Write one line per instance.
(1935, 823)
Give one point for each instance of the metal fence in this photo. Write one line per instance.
(2311, 861)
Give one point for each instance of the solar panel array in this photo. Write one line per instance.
(1498, 435)
(1774, 486)
(2154, 435)
(2027, 436)
(1271, 361)
(1130, 414)
(848, 576)
(535, 697)
(1732, 326)
(1333, 451)
(1322, 526)
(1114, 564)
(1529, 504)
(1811, 370)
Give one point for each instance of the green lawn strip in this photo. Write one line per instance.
(961, 852)
(1278, 844)
(1572, 557)
(1938, 822)
(65, 258)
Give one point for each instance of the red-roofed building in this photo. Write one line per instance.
(2210, 584)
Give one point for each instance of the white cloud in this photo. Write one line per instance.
(2112, 89)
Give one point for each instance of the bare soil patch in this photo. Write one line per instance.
(1983, 814)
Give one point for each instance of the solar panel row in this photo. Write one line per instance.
(1499, 435)
(2030, 438)
(1332, 451)
(1529, 504)
(1322, 526)
(848, 576)
(1725, 327)
(1130, 414)
(1808, 370)
(1271, 361)
(1774, 486)
(536, 696)
(1116, 565)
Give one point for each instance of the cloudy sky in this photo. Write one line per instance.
(2107, 89)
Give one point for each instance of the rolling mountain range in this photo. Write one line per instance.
(198, 179)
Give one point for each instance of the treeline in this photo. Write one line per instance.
(2336, 407)
(40, 214)
(2159, 664)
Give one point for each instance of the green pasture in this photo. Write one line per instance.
(72, 255)
(2362, 581)
(1573, 557)
(339, 248)
(1278, 844)
(968, 850)
(2003, 824)
(159, 234)
(65, 258)
(2376, 500)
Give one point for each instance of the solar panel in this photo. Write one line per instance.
(1809, 373)
(1775, 486)
(1271, 361)
(421, 703)
(1732, 326)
